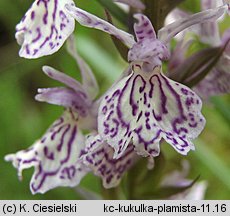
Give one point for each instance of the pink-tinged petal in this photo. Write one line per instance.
(228, 3)
(176, 15)
(138, 4)
(196, 192)
(54, 156)
(148, 49)
(44, 28)
(65, 79)
(215, 83)
(208, 4)
(64, 97)
(178, 55)
(209, 31)
(91, 21)
(143, 28)
(89, 81)
(166, 33)
(224, 62)
(151, 52)
(143, 108)
(98, 156)
(226, 39)
(178, 178)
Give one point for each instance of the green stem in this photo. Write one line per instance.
(157, 10)
(154, 13)
(113, 193)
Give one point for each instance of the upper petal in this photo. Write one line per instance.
(54, 156)
(224, 62)
(64, 97)
(98, 156)
(166, 33)
(179, 54)
(146, 107)
(65, 79)
(143, 28)
(44, 28)
(210, 30)
(89, 81)
(91, 21)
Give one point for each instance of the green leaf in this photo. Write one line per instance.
(213, 162)
(192, 6)
(223, 108)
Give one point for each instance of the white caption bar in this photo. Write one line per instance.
(101, 208)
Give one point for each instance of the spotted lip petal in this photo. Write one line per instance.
(98, 157)
(146, 107)
(44, 28)
(54, 156)
(133, 3)
(91, 21)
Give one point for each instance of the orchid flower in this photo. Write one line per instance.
(64, 155)
(216, 82)
(55, 155)
(44, 28)
(146, 106)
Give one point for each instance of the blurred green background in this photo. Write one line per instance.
(23, 120)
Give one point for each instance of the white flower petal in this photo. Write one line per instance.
(146, 107)
(54, 156)
(44, 28)
(91, 21)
